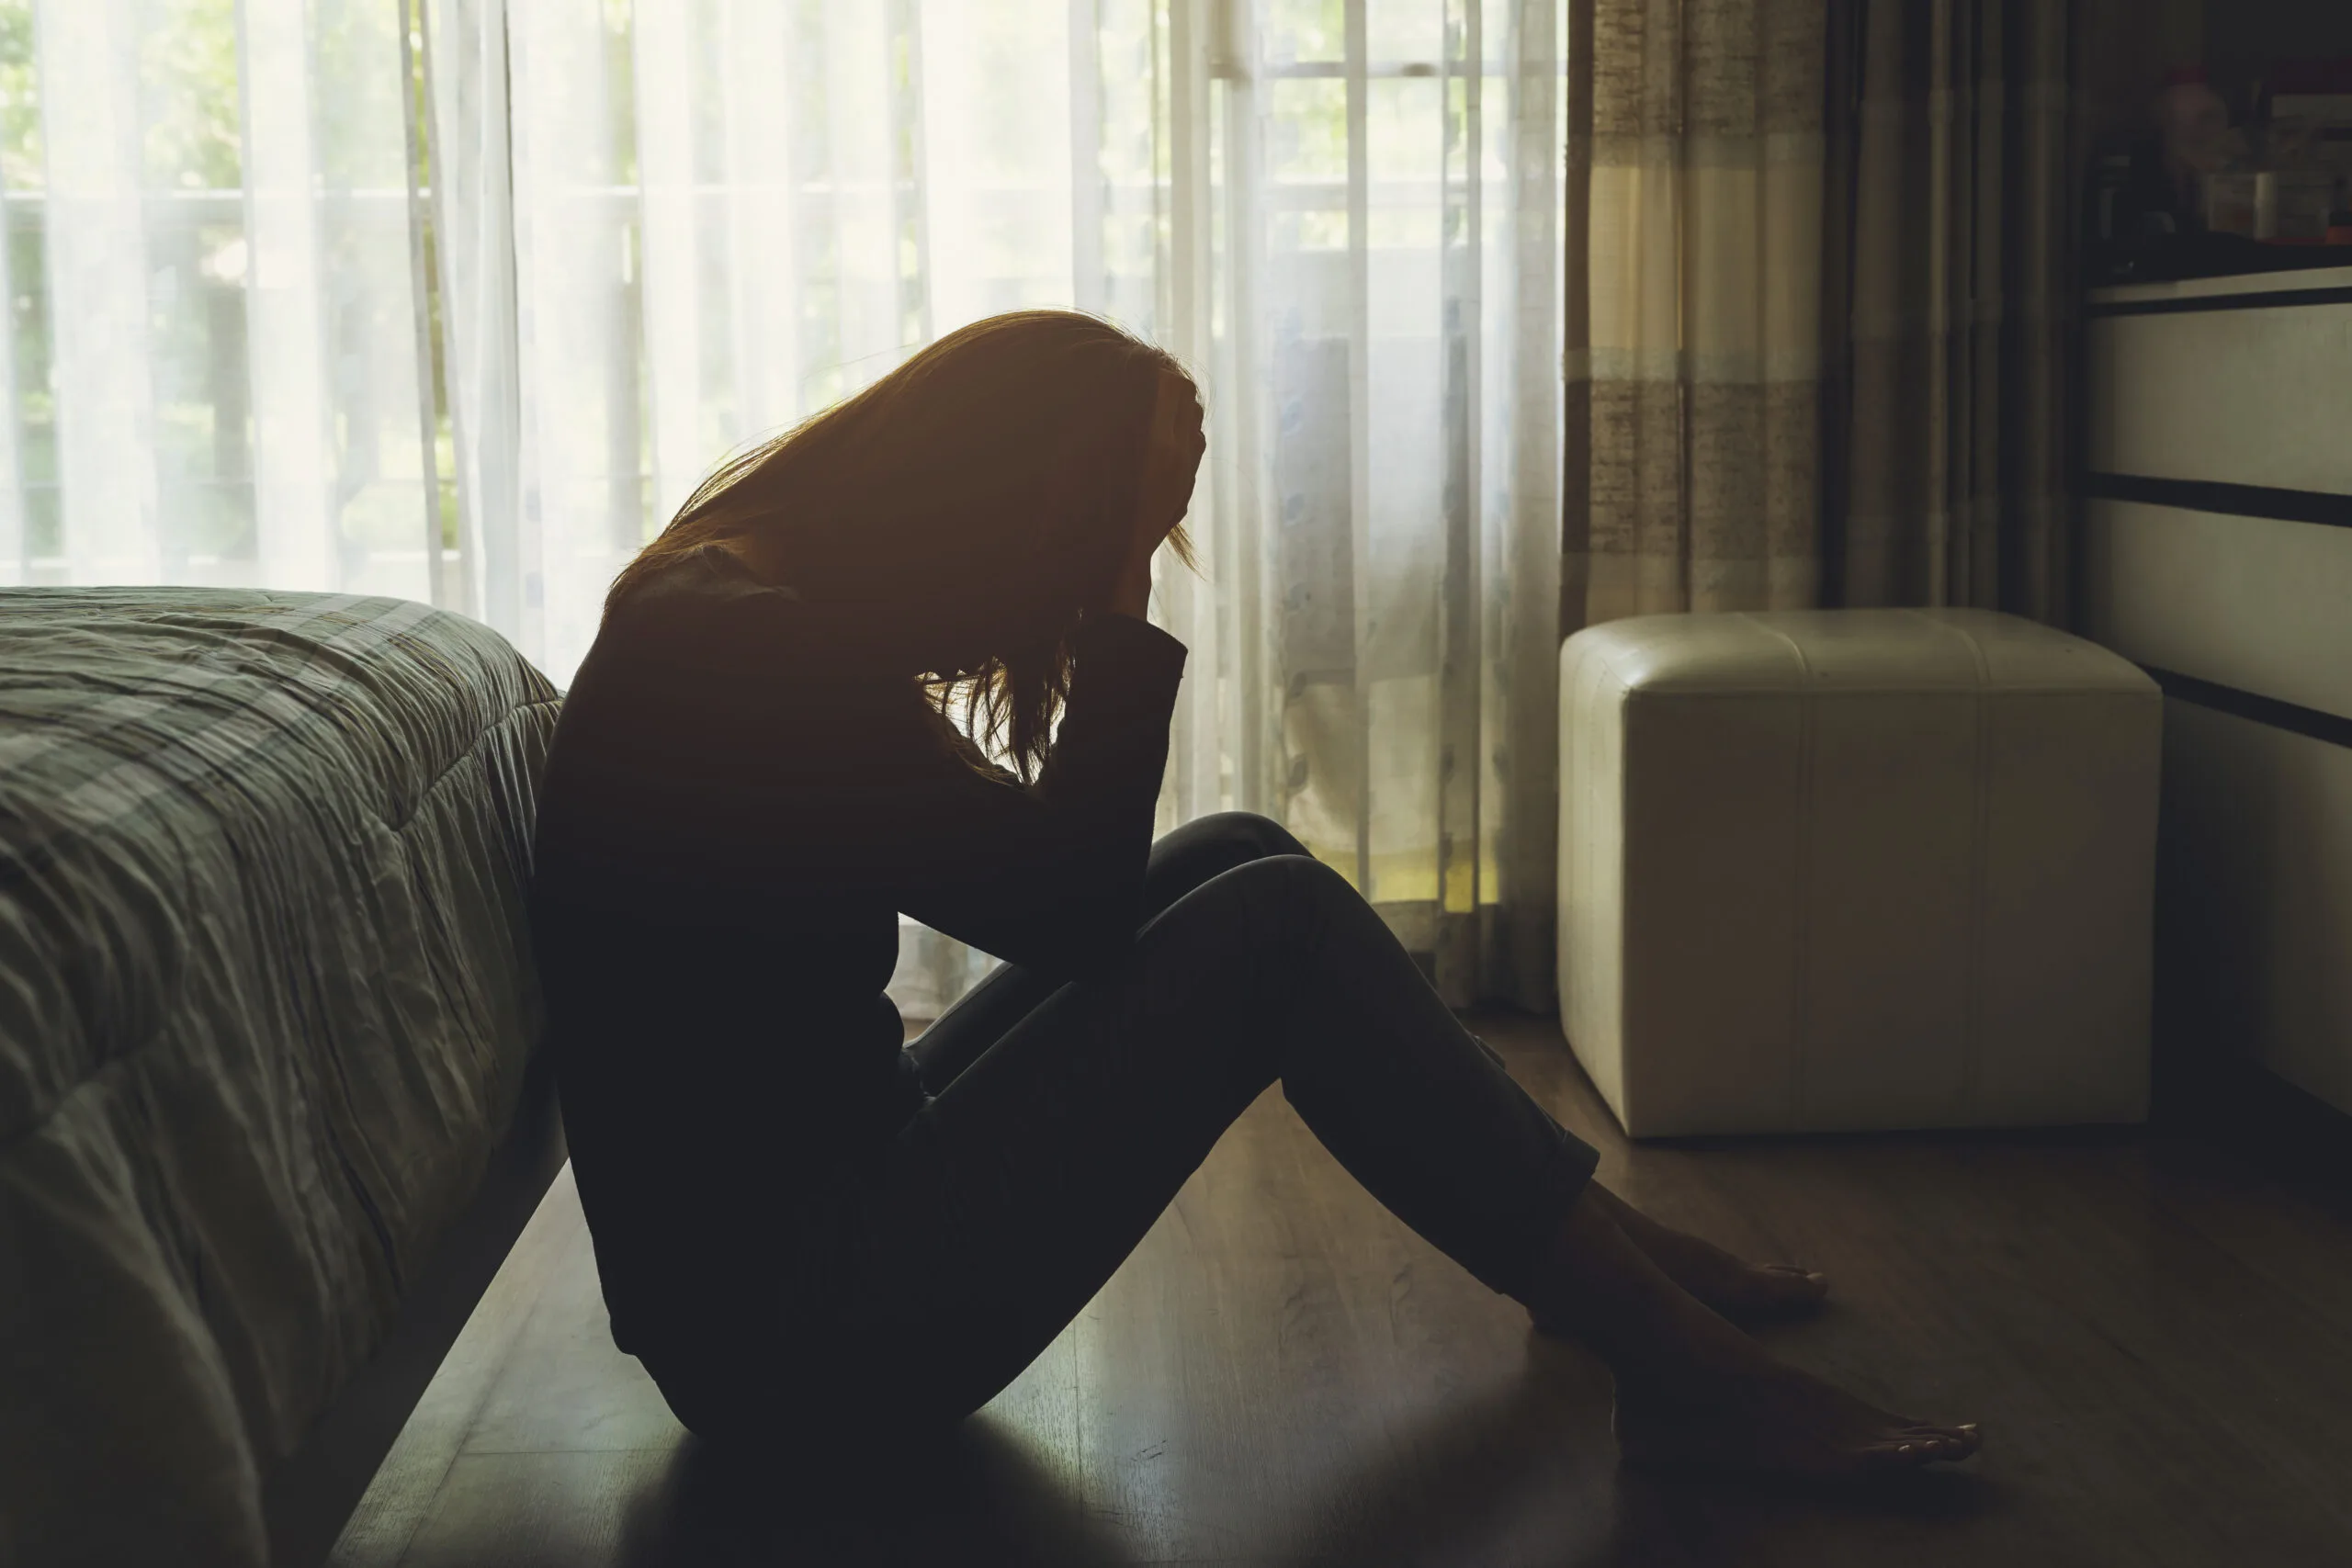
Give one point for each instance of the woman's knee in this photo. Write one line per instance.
(1294, 888)
(1241, 830)
(1207, 847)
(1282, 888)
(1270, 837)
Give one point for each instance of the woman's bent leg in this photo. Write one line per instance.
(1181, 860)
(1210, 845)
(1010, 1199)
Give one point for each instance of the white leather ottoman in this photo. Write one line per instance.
(1856, 869)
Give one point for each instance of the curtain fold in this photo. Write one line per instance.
(1950, 458)
(472, 222)
(456, 300)
(111, 518)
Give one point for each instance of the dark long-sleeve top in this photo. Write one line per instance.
(744, 790)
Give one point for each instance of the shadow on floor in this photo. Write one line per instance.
(1522, 1472)
(980, 1496)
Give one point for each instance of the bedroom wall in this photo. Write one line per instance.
(2125, 49)
(2128, 45)
(2244, 39)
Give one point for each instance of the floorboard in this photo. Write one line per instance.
(2155, 1333)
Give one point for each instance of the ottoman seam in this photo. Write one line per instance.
(1801, 924)
(1801, 933)
(1972, 1046)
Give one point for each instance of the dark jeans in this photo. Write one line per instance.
(1064, 1119)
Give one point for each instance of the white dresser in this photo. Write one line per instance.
(2218, 555)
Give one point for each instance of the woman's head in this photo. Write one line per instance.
(989, 490)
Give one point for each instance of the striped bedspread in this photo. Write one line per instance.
(265, 1007)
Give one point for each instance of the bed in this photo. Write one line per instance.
(267, 1030)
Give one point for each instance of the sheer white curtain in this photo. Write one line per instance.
(216, 343)
(646, 234)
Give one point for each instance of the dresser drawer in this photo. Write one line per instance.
(2252, 397)
(2253, 603)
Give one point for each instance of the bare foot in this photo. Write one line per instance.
(1692, 1391)
(1774, 1420)
(1738, 1289)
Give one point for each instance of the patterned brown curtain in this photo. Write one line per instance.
(1947, 442)
(1694, 293)
(1818, 271)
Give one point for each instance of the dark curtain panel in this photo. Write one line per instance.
(1949, 281)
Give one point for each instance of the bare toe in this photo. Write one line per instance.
(1923, 1444)
(1955, 1442)
(1792, 1281)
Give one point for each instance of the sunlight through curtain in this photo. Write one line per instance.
(216, 329)
(457, 299)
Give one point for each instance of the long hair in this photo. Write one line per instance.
(993, 476)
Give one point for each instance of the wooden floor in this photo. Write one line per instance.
(2156, 1334)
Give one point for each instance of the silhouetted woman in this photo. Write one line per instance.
(804, 1228)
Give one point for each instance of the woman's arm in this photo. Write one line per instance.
(741, 747)
(1052, 877)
